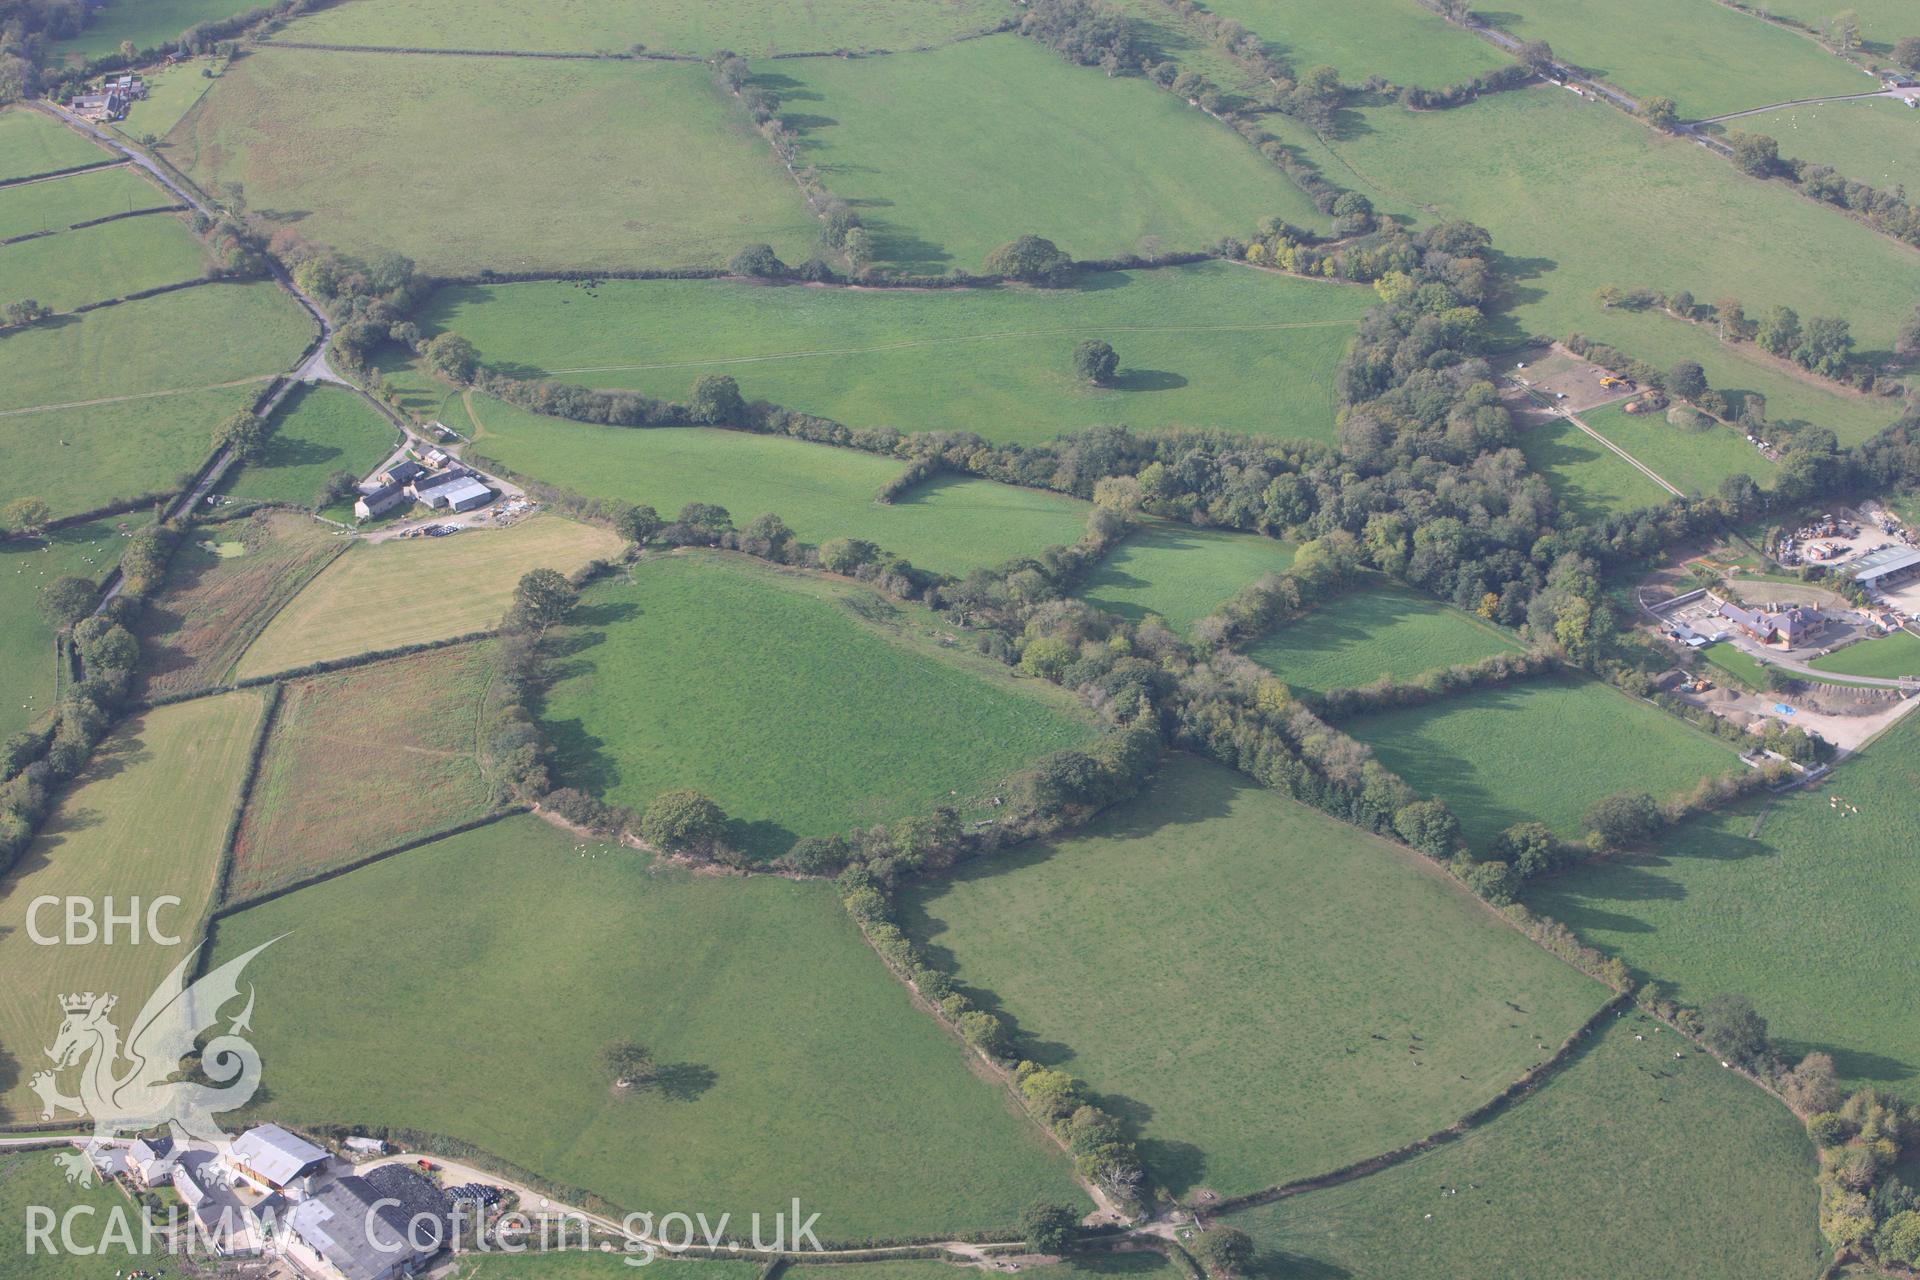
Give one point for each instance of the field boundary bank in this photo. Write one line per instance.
(323, 667)
(268, 717)
(1518, 1091)
(136, 395)
(1005, 25)
(143, 294)
(25, 236)
(51, 174)
(229, 907)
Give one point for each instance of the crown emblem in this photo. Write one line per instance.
(83, 1003)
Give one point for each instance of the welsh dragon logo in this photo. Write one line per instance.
(131, 1085)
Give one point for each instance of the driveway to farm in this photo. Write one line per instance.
(1904, 95)
(1548, 407)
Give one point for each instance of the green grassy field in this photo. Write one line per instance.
(316, 432)
(1772, 900)
(1705, 56)
(222, 588)
(146, 819)
(1249, 979)
(1890, 656)
(947, 160)
(1578, 196)
(1541, 750)
(31, 1179)
(582, 1264)
(796, 1064)
(493, 162)
(363, 760)
(1881, 21)
(950, 525)
(1383, 630)
(1630, 1165)
(148, 23)
(1693, 459)
(755, 28)
(1404, 43)
(775, 694)
(72, 268)
(1589, 479)
(388, 594)
(1141, 1263)
(1180, 572)
(32, 142)
(1875, 141)
(27, 667)
(171, 93)
(58, 204)
(163, 371)
(1737, 663)
(1211, 345)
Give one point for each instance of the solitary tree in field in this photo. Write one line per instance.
(1730, 1025)
(26, 311)
(1661, 113)
(1095, 361)
(1048, 1227)
(1906, 52)
(1225, 1252)
(243, 432)
(28, 515)
(716, 400)
(1623, 818)
(682, 820)
(1032, 259)
(1755, 153)
(630, 1063)
(758, 260)
(451, 356)
(65, 601)
(1687, 380)
(635, 523)
(541, 598)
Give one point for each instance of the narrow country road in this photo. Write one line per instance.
(1903, 95)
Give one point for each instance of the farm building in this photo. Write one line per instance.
(1886, 567)
(378, 1227)
(1785, 628)
(454, 491)
(274, 1159)
(151, 1161)
(404, 472)
(378, 500)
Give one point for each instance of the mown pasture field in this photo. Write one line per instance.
(162, 371)
(30, 1179)
(1404, 43)
(951, 524)
(148, 23)
(1273, 993)
(1718, 1180)
(1772, 900)
(32, 142)
(1881, 21)
(1577, 196)
(72, 268)
(1589, 479)
(509, 164)
(58, 203)
(386, 595)
(1736, 663)
(796, 1064)
(948, 160)
(224, 584)
(576, 1263)
(1539, 750)
(1384, 629)
(27, 565)
(1708, 58)
(1179, 572)
(803, 705)
(1141, 1264)
(1889, 656)
(316, 431)
(1210, 345)
(1694, 459)
(364, 760)
(171, 93)
(753, 28)
(1874, 140)
(146, 819)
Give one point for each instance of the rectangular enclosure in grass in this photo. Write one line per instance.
(1771, 900)
(361, 761)
(58, 203)
(1274, 993)
(947, 157)
(147, 24)
(1590, 480)
(1542, 750)
(1208, 345)
(1871, 140)
(1626, 1160)
(793, 1063)
(34, 142)
(803, 704)
(72, 268)
(316, 431)
(1407, 44)
(1692, 456)
(951, 524)
(753, 28)
(1179, 572)
(146, 819)
(1381, 630)
(1889, 657)
(385, 595)
(504, 163)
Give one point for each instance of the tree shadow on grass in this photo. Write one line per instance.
(580, 759)
(684, 1081)
(761, 837)
(1146, 380)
